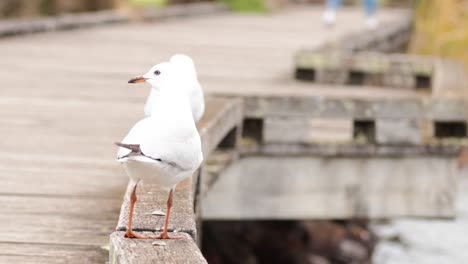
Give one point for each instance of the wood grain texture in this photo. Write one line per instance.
(39, 253)
(57, 219)
(83, 20)
(136, 251)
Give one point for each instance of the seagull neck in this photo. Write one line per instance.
(170, 101)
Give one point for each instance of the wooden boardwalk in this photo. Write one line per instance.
(64, 100)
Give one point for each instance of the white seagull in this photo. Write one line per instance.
(164, 148)
(195, 92)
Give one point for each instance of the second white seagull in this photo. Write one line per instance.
(186, 67)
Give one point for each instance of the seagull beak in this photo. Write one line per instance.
(138, 79)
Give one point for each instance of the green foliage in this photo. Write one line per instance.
(149, 2)
(246, 5)
(45, 7)
(441, 28)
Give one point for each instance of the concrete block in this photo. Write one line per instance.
(322, 188)
(398, 131)
(332, 76)
(449, 79)
(172, 251)
(398, 80)
(306, 130)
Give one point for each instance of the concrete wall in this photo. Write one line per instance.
(327, 188)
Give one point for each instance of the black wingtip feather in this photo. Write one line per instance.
(133, 147)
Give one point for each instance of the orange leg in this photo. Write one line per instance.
(164, 234)
(129, 233)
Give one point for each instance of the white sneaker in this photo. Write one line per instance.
(329, 17)
(372, 23)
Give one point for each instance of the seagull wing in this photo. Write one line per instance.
(181, 147)
(135, 136)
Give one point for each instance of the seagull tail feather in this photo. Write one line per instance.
(132, 147)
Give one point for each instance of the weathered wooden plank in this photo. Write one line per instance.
(57, 229)
(127, 251)
(276, 188)
(39, 253)
(74, 21)
(60, 205)
(64, 224)
(59, 182)
(58, 163)
(36, 225)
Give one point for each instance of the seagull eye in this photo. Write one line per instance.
(157, 72)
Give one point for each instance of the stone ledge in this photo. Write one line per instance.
(421, 108)
(351, 150)
(126, 251)
(152, 198)
(222, 115)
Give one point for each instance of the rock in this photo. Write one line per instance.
(302, 242)
(352, 251)
(315, 259)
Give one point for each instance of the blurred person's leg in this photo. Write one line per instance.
(333, 4)
(370, 8)
(329, 16)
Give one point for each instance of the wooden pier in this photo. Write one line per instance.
(65, 101)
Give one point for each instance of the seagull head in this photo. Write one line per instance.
(158, 76)
(185, 63)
